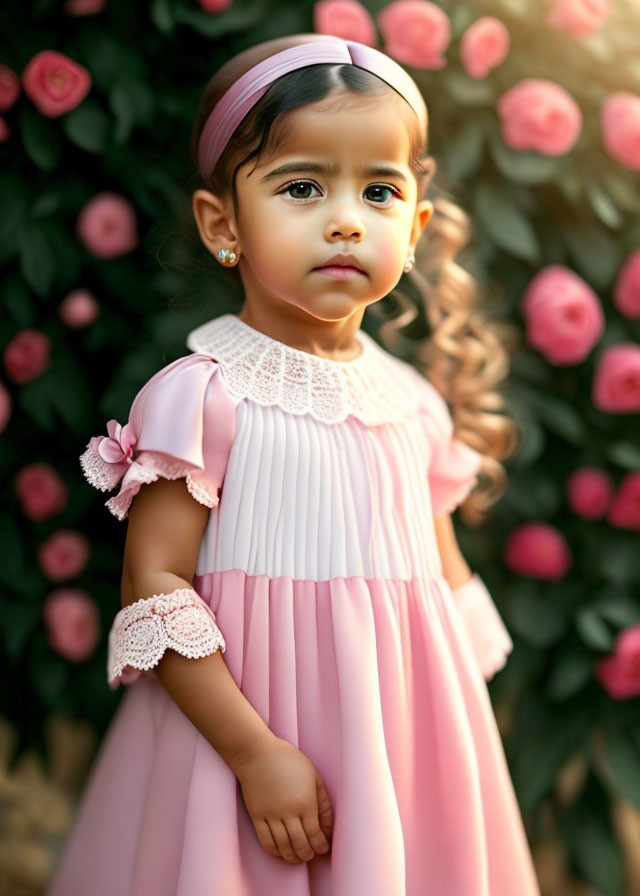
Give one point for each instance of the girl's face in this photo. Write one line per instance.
(338, 184)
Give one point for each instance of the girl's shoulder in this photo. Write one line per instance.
(181, 423)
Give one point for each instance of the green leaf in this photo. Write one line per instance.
(132, 103)
(572, 669)
(13, 202)
(17, 300)
(464, 150)
(13, 550)
(622, 187)
(87, 126)
(461, 17)
(534, 615)
(41, 137)
(19, 618)
(49, 672)
(547, 736)
(603, 205)
(596, 254)
(624, 454)
(70, 394)
(525, 167)
(110, 57)
(593, 629)
(558, 415)
(622, 765)
(37, 262)
(618, 560)
(34, 399)
(47, 203)
(587, 828)
(161, 13)
(40, 7)
(529, 366)
(504, 223)
(240, 16)
(617, 607)
(468, 91)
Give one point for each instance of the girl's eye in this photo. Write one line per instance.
(297, 185)
(297, 190)
(393, 190)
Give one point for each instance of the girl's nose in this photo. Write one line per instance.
(345, 224)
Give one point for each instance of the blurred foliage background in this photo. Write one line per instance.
(82, 330)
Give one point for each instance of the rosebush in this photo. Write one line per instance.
(535, 123)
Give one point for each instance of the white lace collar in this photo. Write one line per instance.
(375, 387)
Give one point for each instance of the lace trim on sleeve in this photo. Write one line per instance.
(147, 467)
(142, 631)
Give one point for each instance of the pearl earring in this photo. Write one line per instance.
(227, 257)
(408, 264)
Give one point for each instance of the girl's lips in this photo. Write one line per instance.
(339, 272)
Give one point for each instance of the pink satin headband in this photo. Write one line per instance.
(227, 114)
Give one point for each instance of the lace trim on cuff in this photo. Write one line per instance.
(490, 639)
(143, 630)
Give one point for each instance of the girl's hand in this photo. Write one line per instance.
(286, 800)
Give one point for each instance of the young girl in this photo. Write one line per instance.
(305, 647)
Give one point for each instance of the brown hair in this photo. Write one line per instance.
(465, 355)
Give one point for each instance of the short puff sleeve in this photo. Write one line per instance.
(181, 424)
(453, 466)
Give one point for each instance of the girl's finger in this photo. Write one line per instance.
(316, 836)
(298, 839)
(265, 837)
(279, 833)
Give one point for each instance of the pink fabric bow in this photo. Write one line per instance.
(118, 447)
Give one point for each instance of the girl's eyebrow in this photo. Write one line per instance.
(332, 170)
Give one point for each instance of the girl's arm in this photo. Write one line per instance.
(489, 637)
(165, 527)
(454, 567)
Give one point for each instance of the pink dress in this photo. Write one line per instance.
(320, 564)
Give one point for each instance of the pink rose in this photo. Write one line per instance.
(624, 512)
(55, 83)
(589, 492)
(107, 226)
(41, 492)
(538, 550)
(215, 5)
(563, 314)
(9, 87)
(620, 124)
(416, 32)
(83, 7)
(540, 115)
(619, 673)
(5, 130)
(79, 309)
(483, 46)
(27, 355)
(626, 292)
(72, 623)
(5, 407)
(63, 555)
(579, 18)
(347, 19)
(616, 382)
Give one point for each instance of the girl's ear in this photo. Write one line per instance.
(424, 210)
(216, 222)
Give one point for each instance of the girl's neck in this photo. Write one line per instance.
(333, 340)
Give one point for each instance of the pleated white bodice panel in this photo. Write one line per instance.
(314, 501)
